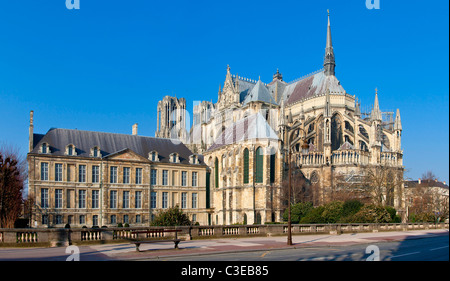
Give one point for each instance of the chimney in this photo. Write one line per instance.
(135, 129)
(31, 133)
(420, 181)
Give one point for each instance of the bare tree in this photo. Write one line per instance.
(12, 178)
(350, 187)
(383, 183)
(429, 176)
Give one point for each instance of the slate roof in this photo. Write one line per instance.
(251, 127)
(425, 183)
(310, 86)
(259, 93)
(110, 143)
(245, 87)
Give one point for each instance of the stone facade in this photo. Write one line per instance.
(313, 118)
(91, 178)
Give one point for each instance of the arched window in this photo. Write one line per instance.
(258, 218)
(70, 150)
(272, 167)
(45, 148)
(259, 165)
(246, 166)
(216, 173)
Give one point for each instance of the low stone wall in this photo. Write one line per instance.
(54, 237)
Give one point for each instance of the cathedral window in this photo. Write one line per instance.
(259, 165)
(272, 167)
(246, 166)
(216, 172)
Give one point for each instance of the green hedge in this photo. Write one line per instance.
(351, 211)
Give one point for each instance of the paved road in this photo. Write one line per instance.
(421, 245)
(435, 248)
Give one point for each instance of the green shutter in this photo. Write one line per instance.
(216, 172)
(259, 165)
(272, 168)
(246, 166)
(208, 178)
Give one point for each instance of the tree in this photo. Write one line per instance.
(372, 214)
(383, 183)
(429, 175)
(171, 217)
(12, 177)
(298, 211)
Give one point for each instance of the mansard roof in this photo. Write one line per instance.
(259, 93)
(250, 128)
(111, 143)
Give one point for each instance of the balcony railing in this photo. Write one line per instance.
(348, 157)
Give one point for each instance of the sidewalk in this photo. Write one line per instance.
(227, 245)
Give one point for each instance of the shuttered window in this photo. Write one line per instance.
(246, 166)
(259, 165)
(272, 168)
(216, 172)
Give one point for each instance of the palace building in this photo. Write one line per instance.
(89, 179)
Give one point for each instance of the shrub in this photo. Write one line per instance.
(126, 225)
(67, 225)
(351, 207)
(393, 213)
(298, 211)
(171, 217)
(371, 214)
(314, 216)
(332, 212)
(422, 217)
(119, 224)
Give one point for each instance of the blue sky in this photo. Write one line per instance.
(105, 66)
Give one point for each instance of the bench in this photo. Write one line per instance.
(175, 240)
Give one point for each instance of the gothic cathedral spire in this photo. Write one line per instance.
(329, 63)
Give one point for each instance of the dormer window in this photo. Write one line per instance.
(153, 156)
(95, 152)
(70, 150)
(174, 158)
(45, 148)
(193, 159)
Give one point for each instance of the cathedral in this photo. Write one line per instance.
(248, 136)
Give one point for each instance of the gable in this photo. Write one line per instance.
(126, 154)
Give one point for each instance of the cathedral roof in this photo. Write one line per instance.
(110, 143)
(245, 87)
(251, 127)
(259, 93)
(346, 146)
(313, 85)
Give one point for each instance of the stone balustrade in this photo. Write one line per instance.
(391, 159)
(350, 156)
(311, 159)
(63, 237)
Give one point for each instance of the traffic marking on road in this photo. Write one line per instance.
(407, 254)
(439, 248)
